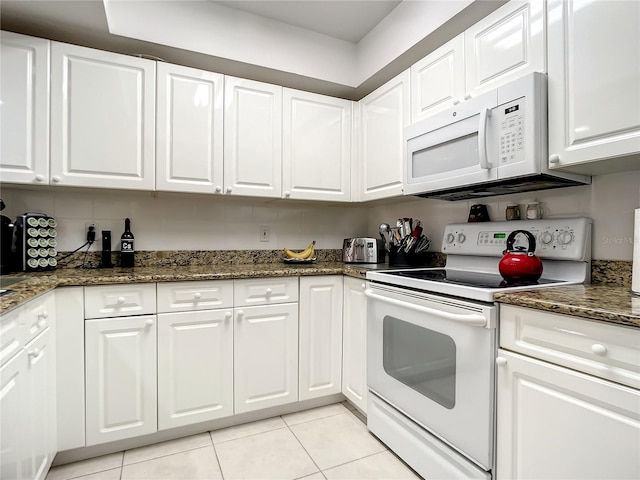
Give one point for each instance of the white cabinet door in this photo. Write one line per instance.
(505, 45)
(252, 138)
(195, 367)
(14, 418)
(354, 341)
(594, 73)
(557, 423)
(189, 143)
(40, 404)
(320, 336)
(316, 152)
(120, 369)
(265, 356)
(24, 109)
(438, 80)
(102, 119)
(383, 115)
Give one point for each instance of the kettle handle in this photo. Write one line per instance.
(512, 238)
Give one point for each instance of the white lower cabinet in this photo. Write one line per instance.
(320, 336)
(265, 357)
(13, 417)
(559, 416)
(354, 343)
(120, 369)
(195, 367)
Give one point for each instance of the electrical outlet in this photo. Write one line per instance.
(265, 234)
(87, 227)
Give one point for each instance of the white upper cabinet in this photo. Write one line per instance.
(252, 138)
(505, 45)
(316, 154)
(24, 109)
(383, 115)
(594, 85)
(189, 143)
(437, 80)
(102, 119)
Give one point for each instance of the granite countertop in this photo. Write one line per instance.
(596, 301)
(35, 284)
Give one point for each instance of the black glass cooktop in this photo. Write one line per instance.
(469, 279)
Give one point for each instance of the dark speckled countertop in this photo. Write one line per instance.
(604, 302)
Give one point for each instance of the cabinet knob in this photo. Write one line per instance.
(44, 314)
(121, 300)
(363, 285)
(56, 178)
(197, 295)
(42, 323)
(39, 178)
(500, 361)
(218, 188)
(599, 349)
(240, 313)
(269, 291)
(227, 315)
(456, 101)
(149, 323)
(554, 158)
(229, 189)
(34, 353)
(287, 194)
(467, 96)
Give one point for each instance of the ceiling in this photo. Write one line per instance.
(343, 22)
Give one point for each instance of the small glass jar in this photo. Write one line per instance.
(512, 212)
(534, 210)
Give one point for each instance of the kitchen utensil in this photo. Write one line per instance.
(519, 264)
(478, 213)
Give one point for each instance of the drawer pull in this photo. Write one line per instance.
(197, 296)
(149, 323)
(42, 323)
(240, 313)
(364, 285)
(227, 315)
(599, 349)
(121, 300)
(34, 353)
(269, 291)
(501, 361)
(44, 315)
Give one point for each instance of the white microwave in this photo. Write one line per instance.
(492, 144)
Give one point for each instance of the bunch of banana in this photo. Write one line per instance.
(304, 254)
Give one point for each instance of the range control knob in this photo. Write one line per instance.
(565, 237)
(450, 237)
(546, 238)
(461, 237)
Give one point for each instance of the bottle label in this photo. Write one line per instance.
(127, 245)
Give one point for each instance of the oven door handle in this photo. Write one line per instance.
(471, 319)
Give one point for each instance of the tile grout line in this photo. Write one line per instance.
(215, 452)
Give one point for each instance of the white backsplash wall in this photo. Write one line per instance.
(171, 221)
(609, 201)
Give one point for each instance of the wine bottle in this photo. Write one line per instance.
(127, 252)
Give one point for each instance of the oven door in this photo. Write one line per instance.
(433, 358)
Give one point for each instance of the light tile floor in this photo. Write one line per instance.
(326, 443)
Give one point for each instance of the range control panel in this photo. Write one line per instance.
(557, 238)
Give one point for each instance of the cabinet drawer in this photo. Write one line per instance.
(119, 300)
(200, 295)
(265, 291)
(39, 314)
(12, 333)
(604, 350)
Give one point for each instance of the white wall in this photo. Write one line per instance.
(610, 201)
(188, 222)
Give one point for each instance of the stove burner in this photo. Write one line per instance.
(469, 279)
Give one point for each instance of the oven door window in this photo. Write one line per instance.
(420, 358)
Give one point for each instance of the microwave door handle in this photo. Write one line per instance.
(482, 139)
(474, 320)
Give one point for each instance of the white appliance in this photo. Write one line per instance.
(492, 144)
(432, 343)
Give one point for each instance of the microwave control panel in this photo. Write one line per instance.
(512, 131)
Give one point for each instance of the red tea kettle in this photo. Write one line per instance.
(520, 264)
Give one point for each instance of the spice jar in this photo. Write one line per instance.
(534, 211)
(512, 212)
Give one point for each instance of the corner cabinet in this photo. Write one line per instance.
(316, 152)
(252, 138)
(594, 78)
(189, 129)
(383, 115)
(320, 336)
(24, 116)
(102, 119)
(354, 343)
(568, 397)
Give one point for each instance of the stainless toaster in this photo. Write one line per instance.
(363, 250)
